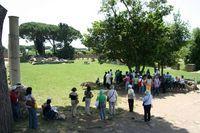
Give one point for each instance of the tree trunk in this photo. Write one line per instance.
(54, 48)
(162, 68)
(137, 68)
(5, 105)
(130, 69)
(143, 67)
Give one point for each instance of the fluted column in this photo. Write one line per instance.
(13, 50)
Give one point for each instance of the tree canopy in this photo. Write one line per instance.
(193, 55)
(57, 35)
(134, 32)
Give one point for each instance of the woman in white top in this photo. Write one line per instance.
(112, 99)
(131, 96)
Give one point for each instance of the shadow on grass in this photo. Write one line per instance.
(123, 122)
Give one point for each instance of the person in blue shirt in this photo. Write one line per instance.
(147, 103)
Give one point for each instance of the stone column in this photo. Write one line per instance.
(13, 50)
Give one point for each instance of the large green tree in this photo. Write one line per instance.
(175, 38)
(60, 36)
(130, 31)
(35, 32)
(52, 33)
(193, 56)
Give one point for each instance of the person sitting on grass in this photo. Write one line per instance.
(74, 101)
(98, 82)
(48, 112)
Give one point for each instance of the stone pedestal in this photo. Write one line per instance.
(13, 50)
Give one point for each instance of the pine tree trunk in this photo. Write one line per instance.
(5, 106)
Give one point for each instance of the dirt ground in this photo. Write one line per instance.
(171, 113)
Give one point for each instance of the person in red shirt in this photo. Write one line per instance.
(14, 97)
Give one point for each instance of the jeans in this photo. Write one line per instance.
(16, 111)
(102, 111)
(147, 113)
(87, 105)
(112, 108)
(33, 122)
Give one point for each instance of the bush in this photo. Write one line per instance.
(24, 58)
(67, 52)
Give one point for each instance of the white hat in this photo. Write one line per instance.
(49, 98)
(14, 87)
(130, 86)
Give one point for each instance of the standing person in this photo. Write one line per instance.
(148, 83)
(74, 101)
(120, 77)
(88, 95)
(31, 105)
(112, 99)
(182, 82)
(108, 80)
(131, 96)
(102, 105)
(156, 84)
(148, 72)
(104, 79)
(117, 77)
(147, 103)
(136, 84)
(133, 74)
(14, 97)
(111, 76)
(127, 81)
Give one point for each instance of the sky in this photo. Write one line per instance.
(78, 13)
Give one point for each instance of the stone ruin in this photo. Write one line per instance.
(50, 60)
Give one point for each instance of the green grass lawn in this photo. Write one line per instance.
(56, 80)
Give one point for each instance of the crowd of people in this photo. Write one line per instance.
(132, 82)
(144, 82)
